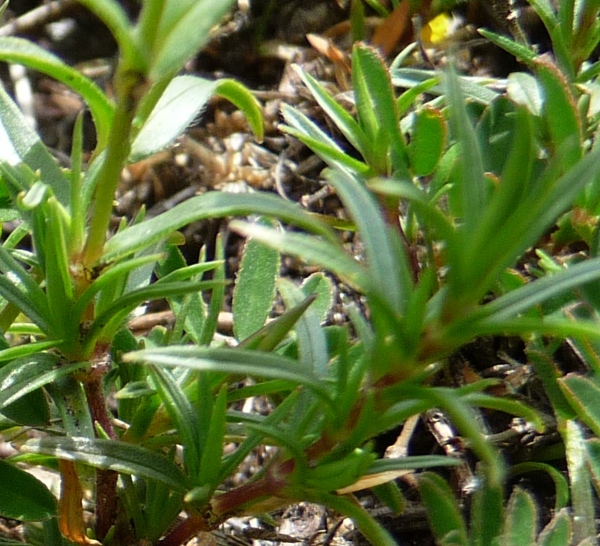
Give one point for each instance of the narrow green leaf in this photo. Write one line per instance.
(192, 20)
(76, 233)
(505, 201)
(540, 207)
(31, 409)
(25, 375)
(235, 361)
(35, 309)
(561, 483)
(111, 455)
(471, 186)
(19, 142)
(26, 52)
(521, 52)
(368, 526)
(107, 278)
(113, 15)
(342, 119)
(520, 300)
(310, 249)
(411, 463)
(520, 525)
(473, 88)
(209, 205)
(418, 198)
(322, 287)
(388, 266)
(408, 98)
(182, 415)
(119, 310)
(461, 415)
(547, 13)
(210, 463)
(547, 371)
(318, 141)
(274, 332)
(442, 509)
(240, 96)
(487, 514)
(593, 460)
(71, 403)
(506, 405)
(59, 287)
(254, 290)
(312, 344)
(209, 327)
(23, 497)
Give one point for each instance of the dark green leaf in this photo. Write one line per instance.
(23, 497)
(111, 455)
(26, 374)
(31, 409)
(442, 509)
(182, 415)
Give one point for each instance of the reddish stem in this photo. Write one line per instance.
(106, 480)
(185, 531)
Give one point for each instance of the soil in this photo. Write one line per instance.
(257, 45)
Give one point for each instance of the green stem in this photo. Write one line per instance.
(77, 228)
(129, 87)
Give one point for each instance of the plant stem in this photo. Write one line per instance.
(129, 87)
(183, 532)
(106, 480)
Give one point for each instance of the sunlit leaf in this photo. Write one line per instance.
(236, 361)
(111, 455)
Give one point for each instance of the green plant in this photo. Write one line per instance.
(478, 212)
(433, 280)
